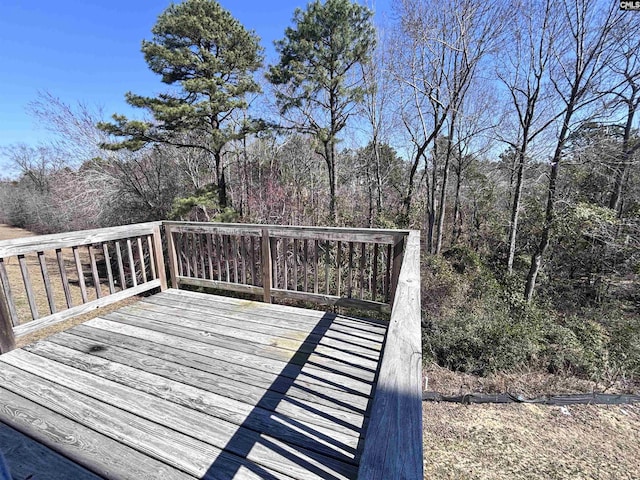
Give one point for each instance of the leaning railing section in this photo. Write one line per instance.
(329, 266)
(47, 279)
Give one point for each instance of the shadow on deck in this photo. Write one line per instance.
(197, 386)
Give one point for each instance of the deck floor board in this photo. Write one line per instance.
(188, 385)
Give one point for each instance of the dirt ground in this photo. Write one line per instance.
(524, 441)
(487, 442)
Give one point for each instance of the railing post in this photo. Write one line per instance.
(266, 265)
(158, 258)
(398, 253)
(7, 337)
(173, 260)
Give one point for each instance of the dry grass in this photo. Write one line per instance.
(33, 266)
(522, 441)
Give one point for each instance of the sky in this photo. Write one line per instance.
(89, 51)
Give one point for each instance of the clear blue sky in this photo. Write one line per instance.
(89, 50)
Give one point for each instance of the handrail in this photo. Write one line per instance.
(328, 266)
(393, 442)
(131, 256)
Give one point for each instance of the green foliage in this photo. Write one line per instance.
(202, 206)
(317, 56)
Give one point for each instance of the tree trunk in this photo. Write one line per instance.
(222, 183)
(515, 207)
(457, 221)
(443, 195)
(621, 171)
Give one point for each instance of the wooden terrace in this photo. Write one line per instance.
(186, 385)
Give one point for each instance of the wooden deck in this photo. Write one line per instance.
(184, 385)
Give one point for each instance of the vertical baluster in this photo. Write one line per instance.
(285, 255)
(201, 250)
(8, 296)
(315, 266)
(305, 283)
(338, 268)
(362, 265)
(273, 242)
(210, 255)
(28, 287)
(107, 261)
(152, 263)
(94, 272)
(374, 287)
(387, 275)
(157, 256)
(173, 250)
(132, 263)
(219, 256)
(63, 277)
(243, 259)
(179, 249)
(47, 282)
(123, 281)
(83, 286)
(194, 253)
(326, 267)
(234, 250)
(226, 249)
(265, 244)
(295, 264)
(350, 283)
(143, 264)
(254, 280)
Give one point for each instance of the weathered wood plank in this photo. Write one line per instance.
(306, 372)
(34, 325)
(285, 324)
(98, 453)
(158, 257)
(216, 301)
(363, 260)
(27, 458)
(47, 282)
(286, 350)
(7, 294)
(23, 246)
(204, 373)
(374, 287)
(152, 263)
(312, 342)
(124, 348)
(55, 361)
(315, 266)
(393, 443)
(177, 449)
(190, 424)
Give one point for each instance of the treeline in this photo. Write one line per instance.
(506, 131)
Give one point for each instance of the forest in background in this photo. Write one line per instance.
(505, 131)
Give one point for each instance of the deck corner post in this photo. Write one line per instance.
(266, 264)
(159, 257)
(173, 259)
(7, 337)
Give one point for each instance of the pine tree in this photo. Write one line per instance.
(209, 57)
(318, 73)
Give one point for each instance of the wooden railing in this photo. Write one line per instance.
(60, 276)
(330, 266)
(362, 268)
